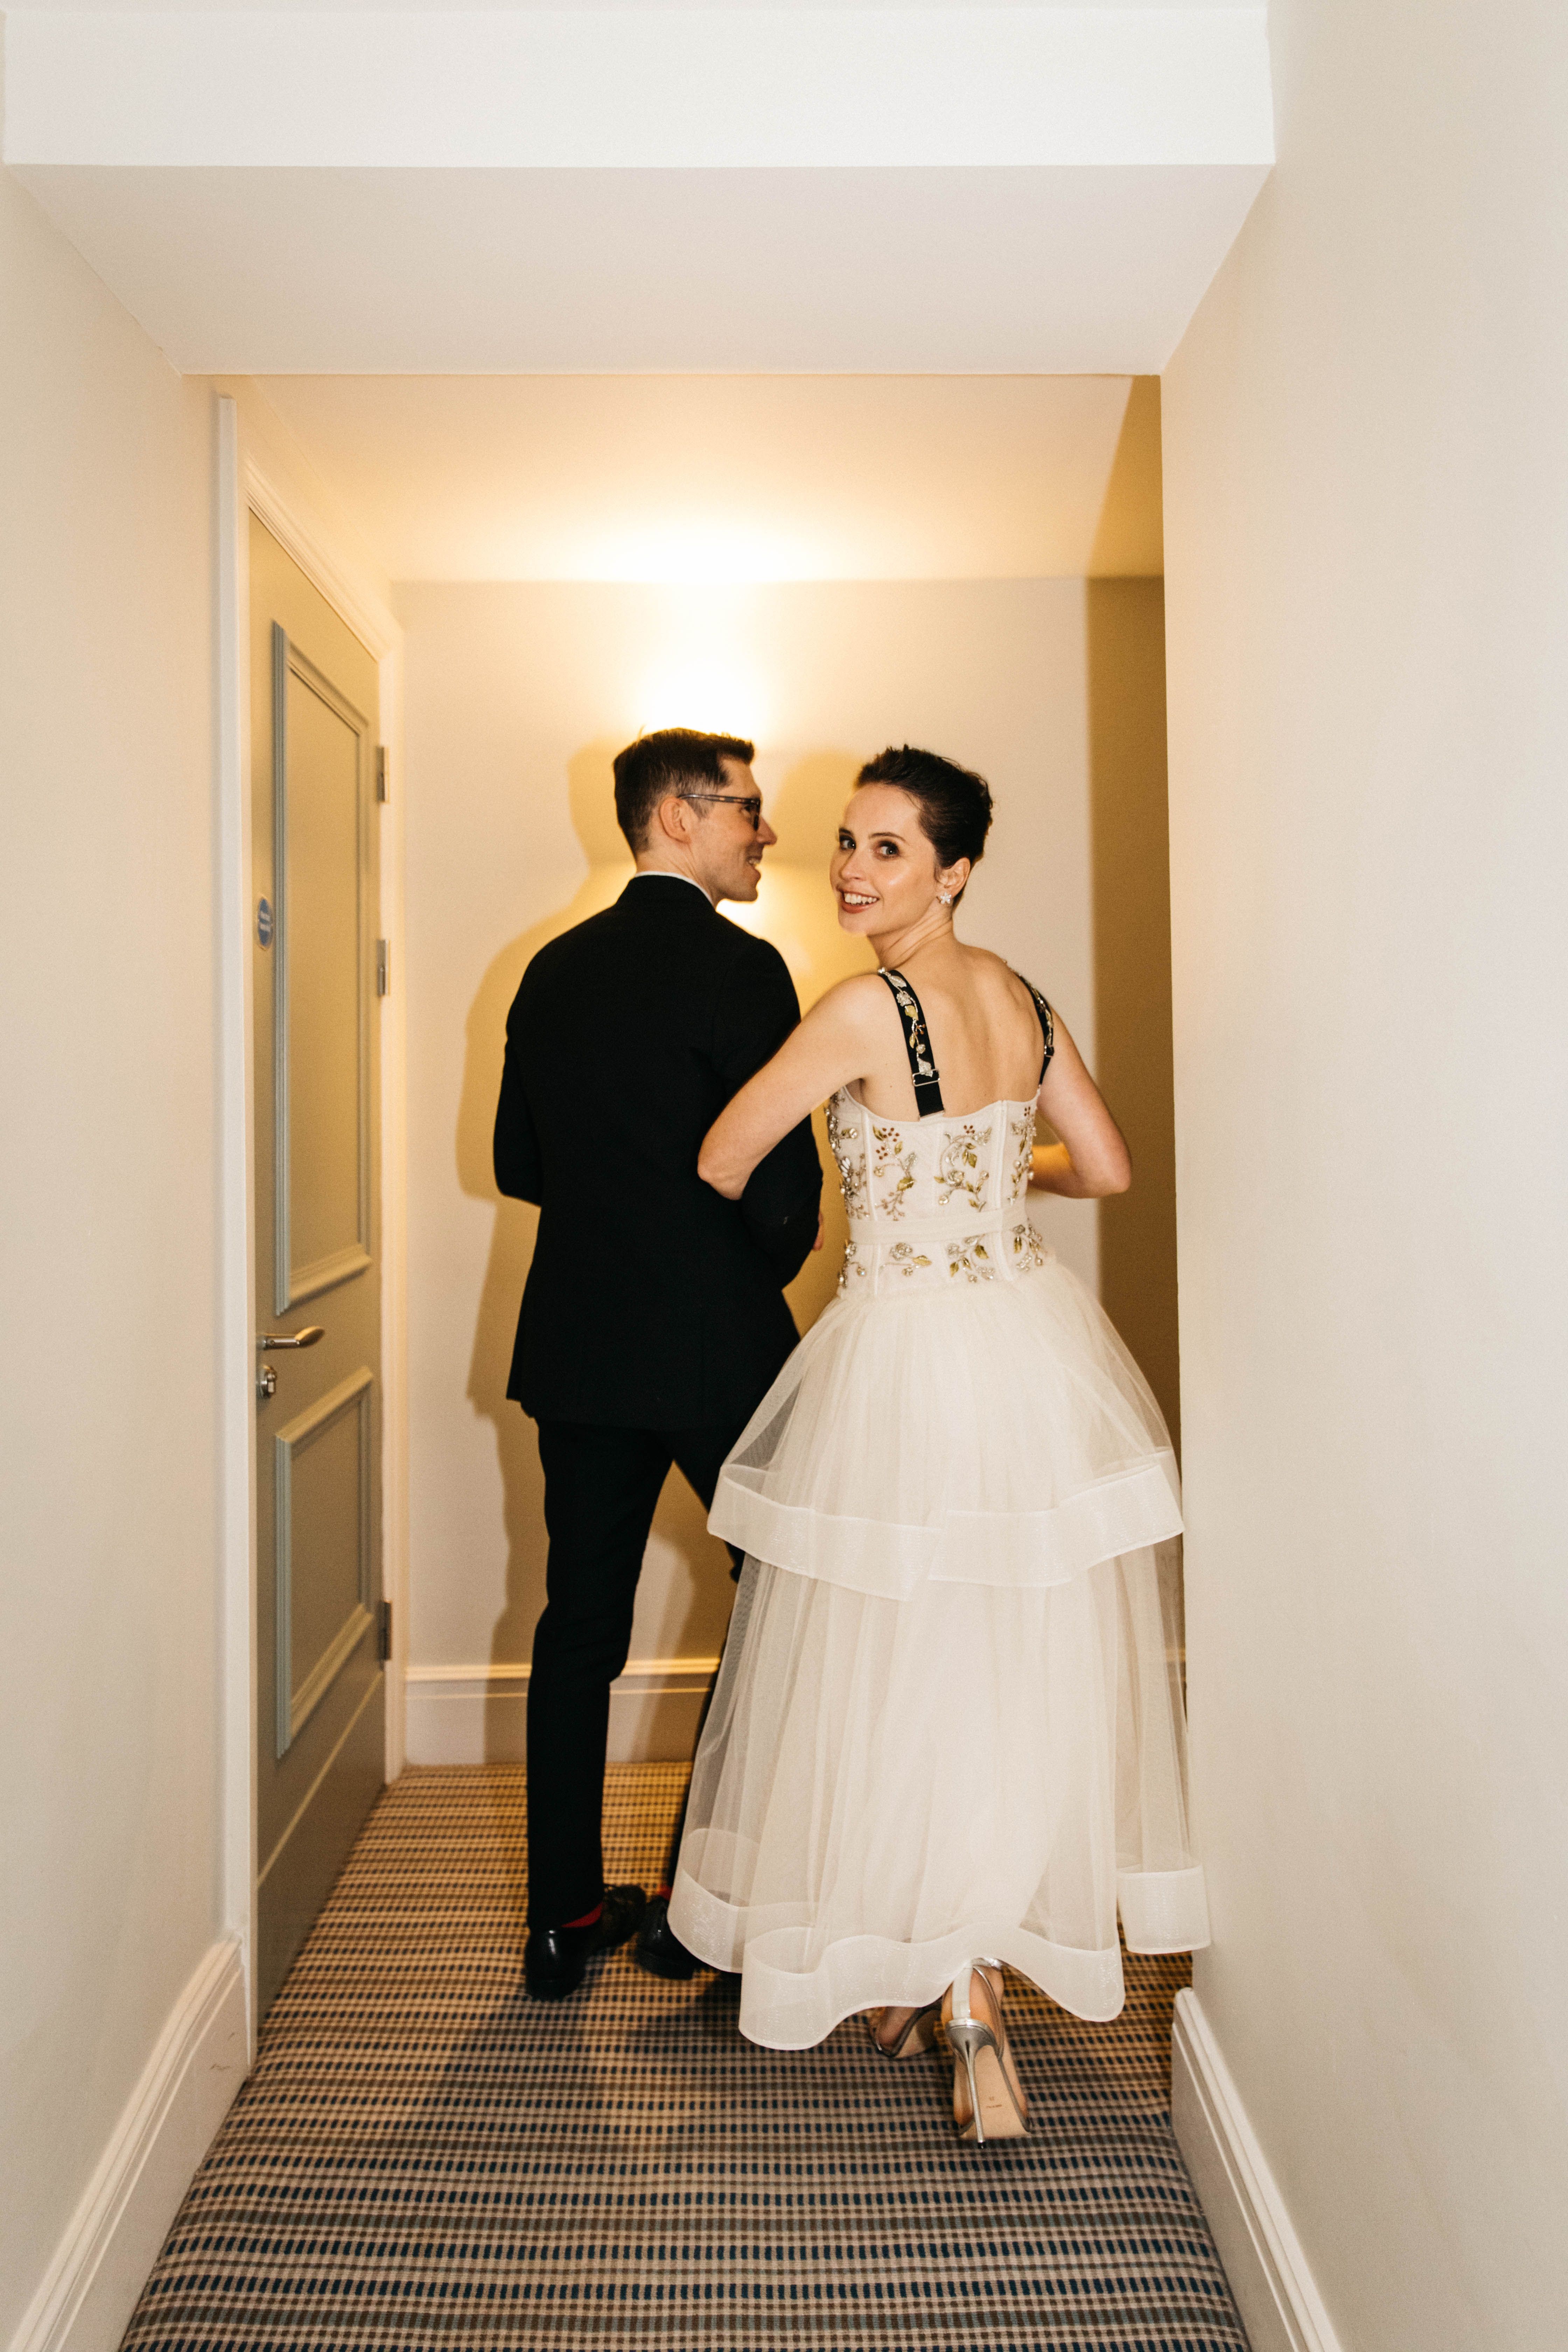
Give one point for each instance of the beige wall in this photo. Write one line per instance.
(109, 1731)
(517, 697)
(1366, 483)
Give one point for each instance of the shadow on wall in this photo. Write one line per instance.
(1129, 540)
(795, 911)
(511, 1241)
(1131, 860)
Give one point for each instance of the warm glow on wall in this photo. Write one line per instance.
(701, 690)
(699, 676)
(696, 553)
(699, 480)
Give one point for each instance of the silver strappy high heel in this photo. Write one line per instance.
(996, 2095)
(919, 2034)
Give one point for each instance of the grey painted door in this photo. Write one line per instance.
(320, 1707)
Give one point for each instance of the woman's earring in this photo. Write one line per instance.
(944, 898)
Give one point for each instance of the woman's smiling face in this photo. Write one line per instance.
(884, 871)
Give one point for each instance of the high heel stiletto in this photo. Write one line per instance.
(919, 2034)
(984, 2079)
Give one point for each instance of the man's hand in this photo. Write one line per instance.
(816, 1245)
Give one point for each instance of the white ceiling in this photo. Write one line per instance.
(553, 7)
(638, 89)
(437, 189)
(738, 477)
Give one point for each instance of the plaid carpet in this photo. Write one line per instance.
(423, 2156)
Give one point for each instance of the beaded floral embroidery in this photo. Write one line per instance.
(1026, 1247)
(959, 1169)
(893, 1171)
(970, 1258)
(844, 1135)
(1022, 1139)
(854, 1270)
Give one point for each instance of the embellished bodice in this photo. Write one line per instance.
(934, 1200)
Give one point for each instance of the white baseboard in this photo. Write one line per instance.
(1279, 2303)
(477, 1714)
(102, 2263)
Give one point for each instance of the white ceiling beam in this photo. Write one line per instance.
(690, 88)
(916, 272)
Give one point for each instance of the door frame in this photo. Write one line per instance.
(251, 480)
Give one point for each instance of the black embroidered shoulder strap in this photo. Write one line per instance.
(917, 1043)
(1048, 1026)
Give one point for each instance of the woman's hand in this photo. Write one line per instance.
(1091, 1161)
(830, 1049)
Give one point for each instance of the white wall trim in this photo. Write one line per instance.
(1275, 2290)
(372, 621)
(102, 2263)
(236, 1219)
(476, 1714)
(250, 482)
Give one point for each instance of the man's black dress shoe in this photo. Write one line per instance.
(659, 1949)
(556, 1959)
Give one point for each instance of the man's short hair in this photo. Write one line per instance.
(675, 760)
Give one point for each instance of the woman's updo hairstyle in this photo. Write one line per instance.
(953, 801)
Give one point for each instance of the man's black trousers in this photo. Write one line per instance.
(601, 1490)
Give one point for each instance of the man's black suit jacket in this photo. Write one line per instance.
(652, 1302)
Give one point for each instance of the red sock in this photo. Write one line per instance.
(589, 1920)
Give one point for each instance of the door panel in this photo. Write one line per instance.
(321, 1098)
(322, 1464)
(320, 1717)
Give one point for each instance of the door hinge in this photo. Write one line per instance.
(383, 968)
(381, 793)
(384, 1631)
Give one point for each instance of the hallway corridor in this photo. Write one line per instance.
(422, 2154)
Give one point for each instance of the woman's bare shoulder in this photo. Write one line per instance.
(857, 1000)
(994, 978)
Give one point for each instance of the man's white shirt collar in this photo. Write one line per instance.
(663, 874)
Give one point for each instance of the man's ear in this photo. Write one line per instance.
(675, 819)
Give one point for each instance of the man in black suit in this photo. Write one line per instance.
(653, 1319)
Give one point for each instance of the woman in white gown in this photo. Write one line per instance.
(948, 1727)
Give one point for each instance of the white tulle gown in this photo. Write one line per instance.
(949, 1718)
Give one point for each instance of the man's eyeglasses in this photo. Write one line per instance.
(751, 802)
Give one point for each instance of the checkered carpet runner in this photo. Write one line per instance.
(424, 2157)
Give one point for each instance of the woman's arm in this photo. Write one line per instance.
(1093, 1159)
(829, 1050)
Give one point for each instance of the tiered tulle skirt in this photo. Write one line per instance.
(948, 1719)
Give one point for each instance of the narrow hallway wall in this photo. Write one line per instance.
(1366, 494)
(517, 696)
(109, 1733)
(1129, 831)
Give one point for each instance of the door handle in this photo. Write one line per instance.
(266, 1340)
